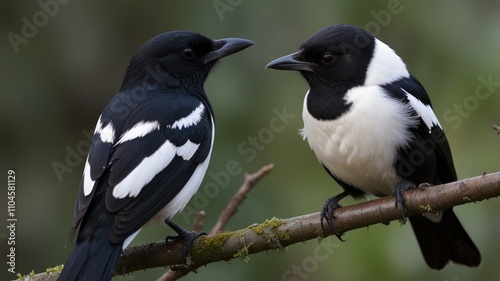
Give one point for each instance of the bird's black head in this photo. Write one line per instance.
(338, 54)
(173, 58)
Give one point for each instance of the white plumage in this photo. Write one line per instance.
(424, 111)
(385, 67)
(192, 119)
(141, 175)
(88, 183)
(359, 147)
(187, 150)
(139, 130)
(107, 133)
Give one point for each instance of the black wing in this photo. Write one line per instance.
(428, 157)
(156, 147)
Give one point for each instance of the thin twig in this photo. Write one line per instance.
(225, 216)
(239, 197)
(496, 128)
(198, 223)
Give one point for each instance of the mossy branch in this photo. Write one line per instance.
(276, 234)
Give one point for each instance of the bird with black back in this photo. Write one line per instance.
(150, 151)
(371, 125)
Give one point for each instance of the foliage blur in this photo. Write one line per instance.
(54, 88)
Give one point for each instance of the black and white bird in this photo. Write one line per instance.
(150, 151)
(371, 125)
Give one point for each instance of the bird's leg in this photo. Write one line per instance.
(330, 205)
(187, 236)
(399, 189)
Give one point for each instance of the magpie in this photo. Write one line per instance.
(149, 153)
(371, 125)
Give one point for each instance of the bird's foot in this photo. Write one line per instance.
(400, 188)
(187, 238)
(424, 185)
(327, 213)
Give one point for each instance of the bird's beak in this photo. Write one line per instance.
(225, 47)
(293, 61)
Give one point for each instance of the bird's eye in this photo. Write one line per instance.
(188, 53)
(327, 58)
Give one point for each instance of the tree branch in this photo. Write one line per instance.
(280, 233)
(225, 216)
(276, 233)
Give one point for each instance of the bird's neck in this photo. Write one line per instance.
(327, 103)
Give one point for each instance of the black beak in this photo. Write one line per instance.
(293, 61)
(225, 47)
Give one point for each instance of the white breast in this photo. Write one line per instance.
(360, 146)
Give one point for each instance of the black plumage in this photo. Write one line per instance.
(150, 150)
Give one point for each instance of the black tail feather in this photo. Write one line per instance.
(445, 241)
(92, 261)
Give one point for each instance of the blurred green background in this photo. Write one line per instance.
(54, 88)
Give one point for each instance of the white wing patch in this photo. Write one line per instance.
(150, 166)
(107, 133)
(139, 130)
(424, 111)
(187, 150)
(182, 198)
(88, 183)
(192, 119)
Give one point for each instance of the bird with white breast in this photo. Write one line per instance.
(371, 125)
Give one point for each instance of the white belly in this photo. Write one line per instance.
(360, 146)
